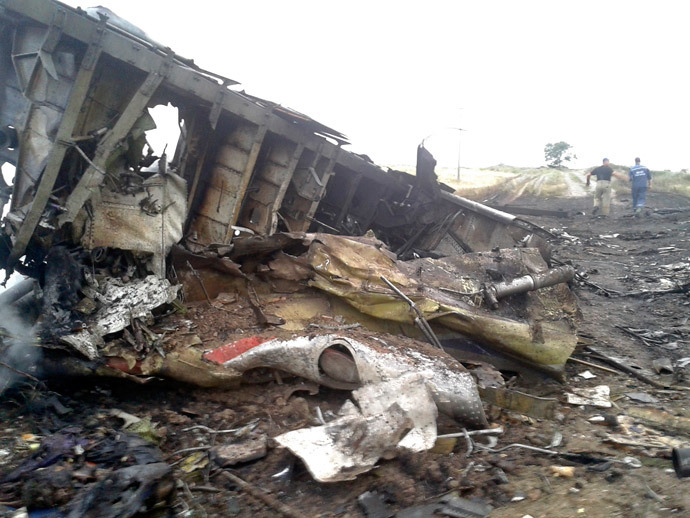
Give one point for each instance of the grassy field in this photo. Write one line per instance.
(507, 181)
(480, 184)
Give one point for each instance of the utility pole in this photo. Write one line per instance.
(459, 133)
(459, 130)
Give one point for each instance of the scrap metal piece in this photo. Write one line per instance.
(526, 404)
(412, 394)
(419, 320)
(117, 220)
(462, 508)
(452, 387)
(597, 396)
(394, 415)
(530, 282)
(663, 366)
(374, 506)
(351, 268)
(346, 447)
(642, 397)
(249, 448)
(120, 305)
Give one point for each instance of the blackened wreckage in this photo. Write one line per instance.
(253, 191)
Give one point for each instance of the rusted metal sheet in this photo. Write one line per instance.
(226, 183)
(269, 185)
(309, 182)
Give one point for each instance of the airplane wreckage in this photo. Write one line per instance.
(259, 209)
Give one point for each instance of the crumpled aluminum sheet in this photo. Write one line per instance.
(451, 385)
(412, 394)
(119, 305)
(394, 415)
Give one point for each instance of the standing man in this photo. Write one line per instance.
(641, 179)
(602, 193)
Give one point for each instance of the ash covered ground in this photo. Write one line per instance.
(630, 267)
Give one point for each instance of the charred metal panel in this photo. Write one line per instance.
(338, 197)
(109, 144)
(184, 78)
(353, 183)
(112, 87)
(46, 72)
(308, 185)
(193, 149)
(364, 205)
(227, 181)
(148, 222)
(271, 180)
(48, 96)
(465, 230)
(76, 87)
(12, 101)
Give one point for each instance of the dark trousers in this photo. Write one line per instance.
(639, 194)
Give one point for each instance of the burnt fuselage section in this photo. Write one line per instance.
(74, 99)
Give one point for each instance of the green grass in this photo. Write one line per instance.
(667, 181)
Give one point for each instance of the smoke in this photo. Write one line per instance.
(19, 353)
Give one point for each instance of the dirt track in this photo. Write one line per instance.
(622, 254)
(575, 183)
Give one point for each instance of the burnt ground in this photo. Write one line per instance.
(621, 254)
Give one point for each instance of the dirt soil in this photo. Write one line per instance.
(622, 254)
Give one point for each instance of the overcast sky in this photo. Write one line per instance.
(608, 77)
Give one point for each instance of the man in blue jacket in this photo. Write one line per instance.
(641, 179)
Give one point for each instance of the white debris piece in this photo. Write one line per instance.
(587, 375)
(123, 303)
(85, 343)
(393, 415)
(412, 394)
(683, 362)
(120, 304)
(598, 396)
